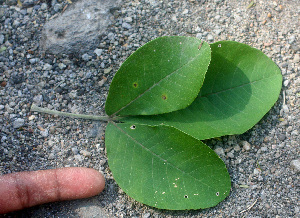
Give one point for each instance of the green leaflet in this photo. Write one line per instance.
(240, 87)
(162, 76)
(165, 168)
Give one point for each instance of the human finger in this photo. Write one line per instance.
(26, 189)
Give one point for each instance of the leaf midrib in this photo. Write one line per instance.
(154, 154)
(228, 89)
(147, 90)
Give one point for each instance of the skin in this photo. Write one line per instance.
(27, 189)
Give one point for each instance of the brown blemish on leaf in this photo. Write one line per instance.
(199, 47)
(135, 85)
(164, 97)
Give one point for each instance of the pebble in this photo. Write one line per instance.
(285, 108)
(1, 39)
(32, 60)
(237, 148)
(86, 57)
(85, 153)
(44, 133)
(294, 133)
(146, 215)
(44, 6)
(126, 25)
(295, 164)
(246, 145)
(297, 58)
(38, 99)
(281, 137)
(74, 150)
(98, 51)
(62, 66)
(47, 67)
(230, 154)
(107, 70)
(128, 19)
(19, 122)
(286, 83)
(219, 151)
(256, 171)
(52, 129)
(78, 157)
(210, 37)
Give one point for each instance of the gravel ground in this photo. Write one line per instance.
(263, 163)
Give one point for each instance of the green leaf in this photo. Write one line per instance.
(164, 75)
(165, 168)
(240, 87)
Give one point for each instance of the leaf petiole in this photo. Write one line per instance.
(80, 116)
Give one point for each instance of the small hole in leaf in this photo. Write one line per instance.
(133, 127)
(164, 97)
(135, 85)
(217, 193)
(219, 45)
(186, 196)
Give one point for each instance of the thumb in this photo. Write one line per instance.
(26, 189)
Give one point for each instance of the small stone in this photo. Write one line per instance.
(78, 157)
(286, 82)
(185, 11)
(51, 156)
(246, 145)
(31, 117)
(219, 151)
(295, 132)
(199, 36)
(85, 153)
(101, 82)
(126, 25)
(44, 6)
(52, 129)
(57, 7)
(218, 32)
(230, 154)
(297, 58)
(47, 67)
(98, 51)
(210, 37)
(281, 137)
(32, 60)
(264, 148)
(106, 71)
(285, 108)
(295, 164)
(45, 133)
(237, 148)
(146, 215)
(85, 57)
(19, 122)
(38, 99)
(73, 94)
(74, 150)
(1, 39)
(128, 19)
(256, 171)
(61, 66)
(292, 39)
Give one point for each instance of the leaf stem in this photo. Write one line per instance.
(80, 116)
